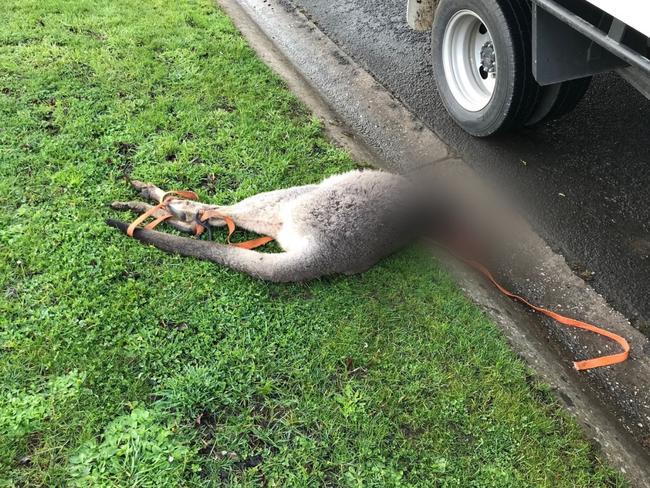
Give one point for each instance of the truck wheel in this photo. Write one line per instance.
(558, 100)
(482, 63)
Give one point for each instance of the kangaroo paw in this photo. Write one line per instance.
(118, 224)
(134, 206)
(148, 190)
(141, 207)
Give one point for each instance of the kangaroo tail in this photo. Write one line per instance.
(278, 267)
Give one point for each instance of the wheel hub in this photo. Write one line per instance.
(488, 59)
(469, 60)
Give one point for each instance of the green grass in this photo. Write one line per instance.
(124, 366)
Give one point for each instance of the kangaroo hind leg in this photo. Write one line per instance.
(278, 267)
(261, 213)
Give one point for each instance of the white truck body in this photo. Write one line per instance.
(635, 13)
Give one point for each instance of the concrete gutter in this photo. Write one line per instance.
(612, 404)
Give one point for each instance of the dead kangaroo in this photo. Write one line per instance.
(345, 224)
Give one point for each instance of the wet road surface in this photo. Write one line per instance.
(582, 181)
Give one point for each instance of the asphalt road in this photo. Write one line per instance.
(583, 181)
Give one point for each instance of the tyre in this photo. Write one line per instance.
(482, 63)
(571, 94)
(558, 100)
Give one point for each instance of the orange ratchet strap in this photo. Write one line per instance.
(579, 365)
(200, 228)
(252, 244)
(162, 206)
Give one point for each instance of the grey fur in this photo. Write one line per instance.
(344, 224)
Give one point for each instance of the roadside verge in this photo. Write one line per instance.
(612, 404)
